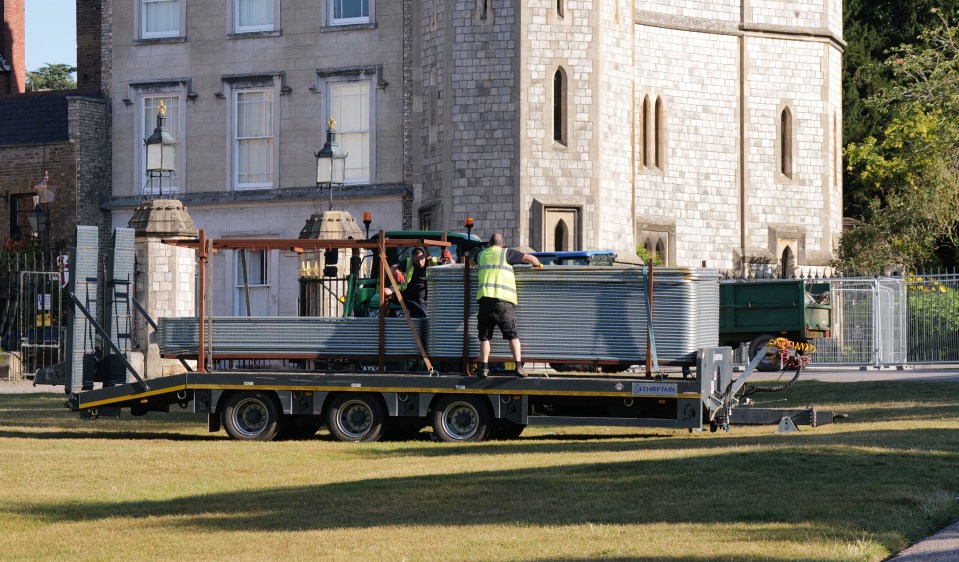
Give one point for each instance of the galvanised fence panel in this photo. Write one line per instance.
(933, 318)
(856, 329)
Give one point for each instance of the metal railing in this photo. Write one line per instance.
(890, 320)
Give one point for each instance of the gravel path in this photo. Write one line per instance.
(26, 387)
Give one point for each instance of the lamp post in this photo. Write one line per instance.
(367, 219)
(330, 161)
(161, 158)
(39, 216)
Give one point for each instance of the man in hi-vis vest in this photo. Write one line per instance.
(497, 299)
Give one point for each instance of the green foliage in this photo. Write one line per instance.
(871, 29)
(911, 167)
(52, 77)
(644, 255)
(934, 313)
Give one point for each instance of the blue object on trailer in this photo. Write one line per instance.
(578, 257)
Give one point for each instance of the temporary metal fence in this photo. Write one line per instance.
(933, 318)
(890, 320)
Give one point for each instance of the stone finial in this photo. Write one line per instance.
(162, 218)
(331, 225)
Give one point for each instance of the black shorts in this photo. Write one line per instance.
(493, 313)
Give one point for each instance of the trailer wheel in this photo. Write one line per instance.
(252, 416)
(466, 418)
(356, 417)
(768, 363)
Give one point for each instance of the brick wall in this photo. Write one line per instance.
(89, 43)
(12, 47)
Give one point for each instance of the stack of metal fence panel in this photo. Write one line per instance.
(586, 313)
(83, 283)
(279, 336)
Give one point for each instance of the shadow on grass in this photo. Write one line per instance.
(838, 494)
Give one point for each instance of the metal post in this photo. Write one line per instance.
(383, 309)
(201, 350)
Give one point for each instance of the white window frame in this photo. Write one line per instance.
(264, 287)
(142, 19)
(235, 141)
(349, 21)
(175, 124)
(342, 131)
(272, 26)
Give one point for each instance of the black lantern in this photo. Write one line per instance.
(330, 162)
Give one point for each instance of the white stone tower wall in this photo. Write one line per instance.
(719, 10)
(617, 128)
(552, 173)
(793, 73)
(484, 98)
(697, 193)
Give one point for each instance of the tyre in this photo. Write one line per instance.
(504, 430)
(252, 416)
(300, 427)
(356, 417)
(466, 418)
(771, 361)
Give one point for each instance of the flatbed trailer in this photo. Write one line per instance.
(368, 405)
(360, 406)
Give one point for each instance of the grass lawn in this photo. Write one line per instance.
(161, 487)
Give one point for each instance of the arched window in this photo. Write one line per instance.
(648, 246)
(661, 252)
(559, 106)
(645, 133)
(787, 264)
(786, 142)
(561, 237)
(660, 137)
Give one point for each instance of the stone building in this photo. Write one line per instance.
(707, 132)
(249, 86)
(58, 134)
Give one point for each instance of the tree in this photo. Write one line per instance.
(871, 28)
(911, 167)
(51, 77)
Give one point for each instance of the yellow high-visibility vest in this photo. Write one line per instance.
(496, 279)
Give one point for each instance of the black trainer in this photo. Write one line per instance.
(482, 373)
(520, 371)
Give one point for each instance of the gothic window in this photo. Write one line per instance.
(659, 132)
(645, 143)
(561, 236)
(786, 142)
(560, 229)
(559, 106)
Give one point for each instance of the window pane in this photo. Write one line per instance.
(254, 13)
(350, 106)
(357, 147)
(254, 161)
(161, 17)
(254, 114)
(350, 9)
